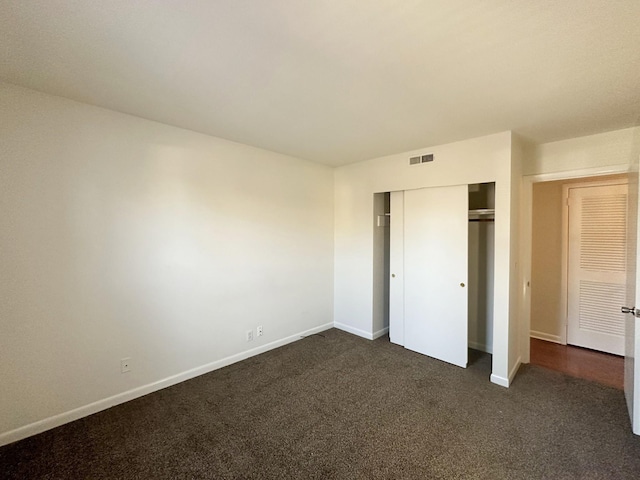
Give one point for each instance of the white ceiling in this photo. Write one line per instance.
(337, 81)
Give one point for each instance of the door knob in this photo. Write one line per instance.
(393, 275)
(631, 310)
(462, 285)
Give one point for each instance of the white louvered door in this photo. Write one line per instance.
(597, 257)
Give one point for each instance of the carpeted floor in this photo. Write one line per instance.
(337, 406)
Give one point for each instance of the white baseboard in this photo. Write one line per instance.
(380, 333)
(355, 331)
(480, 346)
(505, 382)
(514, 370)
(95, 407)
(545, 336)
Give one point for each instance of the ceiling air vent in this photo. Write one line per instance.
(421, 159)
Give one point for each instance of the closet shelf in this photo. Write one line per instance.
(482, 212)
(482, 215)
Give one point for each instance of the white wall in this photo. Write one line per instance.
(480, 160)
(605, 149)
(547, 317)
(519, 150)
(122, 237)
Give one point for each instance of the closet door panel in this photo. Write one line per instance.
(396, 267)
(435, 272)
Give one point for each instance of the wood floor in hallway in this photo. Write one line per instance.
(579, 362)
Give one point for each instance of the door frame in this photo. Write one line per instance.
(564, 285)
(526, 234)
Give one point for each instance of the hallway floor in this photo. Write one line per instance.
(599, 367)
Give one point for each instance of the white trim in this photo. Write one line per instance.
(480, 346)
(361, 333)
(354, 330)
(380, 333)
(505, 382)
(564, 266)
(546, 336)
(526, 235)
(582, 173)
(95, 407)
(514, 370)
(526, 206)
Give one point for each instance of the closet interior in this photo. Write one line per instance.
(481, 266)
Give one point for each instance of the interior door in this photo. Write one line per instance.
(632, 332)
(597, 267)
(435, 272)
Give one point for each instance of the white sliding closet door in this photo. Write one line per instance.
(396, 268)
(435, 272)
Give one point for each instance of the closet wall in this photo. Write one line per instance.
(494, 158)
(381, 216)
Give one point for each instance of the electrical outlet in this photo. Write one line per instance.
(125, 365)
(249, 335)
(259, 330)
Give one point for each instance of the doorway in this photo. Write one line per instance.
(578, 362)
(631, 372)
(578, 262)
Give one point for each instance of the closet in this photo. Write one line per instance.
(441, 260)
(481, 260)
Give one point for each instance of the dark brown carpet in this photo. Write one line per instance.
(338, 406)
